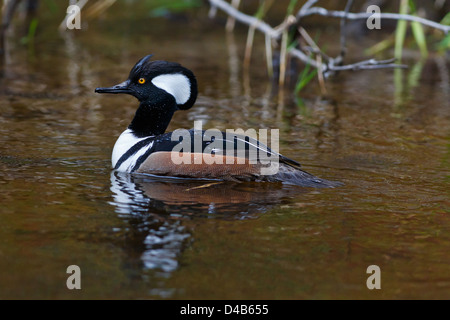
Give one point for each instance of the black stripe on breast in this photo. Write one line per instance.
(142, 158)
(135, 148)
(161, 143)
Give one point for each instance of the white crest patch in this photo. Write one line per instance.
(177, 84)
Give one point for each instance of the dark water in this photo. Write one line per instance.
(386, 135)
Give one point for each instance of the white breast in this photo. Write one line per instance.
(126, 141)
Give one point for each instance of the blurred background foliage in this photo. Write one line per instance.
(272, 11)
(395, 36)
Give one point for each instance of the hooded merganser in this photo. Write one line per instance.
(164, 87)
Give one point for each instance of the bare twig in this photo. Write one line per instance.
(8, 9)
(265, 28)
(343, 52)
(370, 64)
(303, 57)
(249, 46)
(319, 60)
(313, 47)
(269, 55)
(259, 25)
(231, 21)
(242, 17)
(283, 58)
(212, 12)
(364, 15)
(307, 6)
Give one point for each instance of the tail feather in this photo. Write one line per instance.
(291, 175)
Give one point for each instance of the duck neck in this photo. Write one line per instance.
(152, 118)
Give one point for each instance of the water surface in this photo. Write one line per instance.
(137, 237)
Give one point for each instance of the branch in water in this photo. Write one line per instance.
(364, 15)
(308, 9)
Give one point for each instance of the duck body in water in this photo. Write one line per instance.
(144, 147)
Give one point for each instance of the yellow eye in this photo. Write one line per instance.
(141, 80)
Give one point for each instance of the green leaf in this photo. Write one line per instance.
(419, 36)
(291, 7)
(446, 19)
(31, 32)
(305, 77)
(400, 32)
(445, 44)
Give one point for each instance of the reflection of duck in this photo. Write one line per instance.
(135, 194)
(155, 205)
(164, 87)
(163, 238)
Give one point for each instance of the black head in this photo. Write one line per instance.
(156, 80)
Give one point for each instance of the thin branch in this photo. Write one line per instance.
(307, 6)
(303, 57)
(231, 21)
(283, 58)
(212, 12)
(261, 26)
(249, 46)
(8, 9)
(274, 34)
(242, 17)
(313, 47)
(370, 64)
(343, 52)
(364, 15)
(269, 56)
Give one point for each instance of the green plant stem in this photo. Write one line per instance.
(400, 32)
